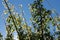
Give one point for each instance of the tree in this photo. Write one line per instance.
(15, 23)
(41, 17)
(13, 20)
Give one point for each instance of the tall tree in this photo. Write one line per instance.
(13, 19)
(41, 18)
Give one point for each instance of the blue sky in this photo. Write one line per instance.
(54, 3)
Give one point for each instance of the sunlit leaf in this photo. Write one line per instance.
(12, 8)
(5, 11)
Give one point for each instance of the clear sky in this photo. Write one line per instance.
(54, 3)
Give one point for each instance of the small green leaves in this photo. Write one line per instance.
(58, 26)
(8, 20)
(58, 18)
(5, 11)
(12, 8)
(53, 23)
